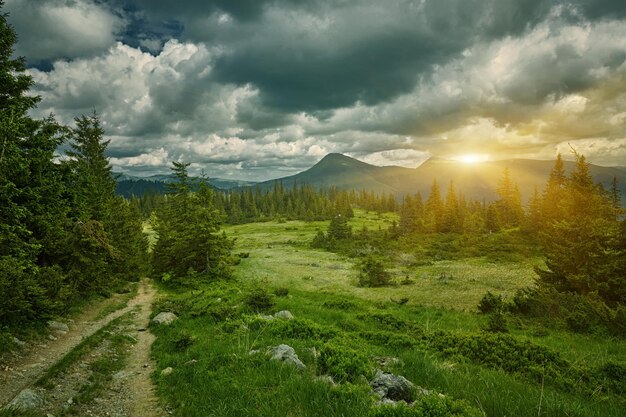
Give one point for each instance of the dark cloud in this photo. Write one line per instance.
(270, 86)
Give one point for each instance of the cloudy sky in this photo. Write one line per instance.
(256, 89)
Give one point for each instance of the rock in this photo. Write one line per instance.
(167, 371)
(286, 354)
(26, 400)
(285, 315)
(326, 379)
(254, 352)
(18, 342)
(57, 326)
(121, 375)
(164, 317)
(392, 387)
(50, 337)
(191, 362)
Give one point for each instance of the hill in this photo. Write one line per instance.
(476, 181)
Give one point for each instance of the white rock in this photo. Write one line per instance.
(26, 400)
(285, 353)
(167, 371)
(57, 326)
(164, 317)
(285, 315)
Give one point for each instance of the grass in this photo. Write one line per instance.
(214, 373)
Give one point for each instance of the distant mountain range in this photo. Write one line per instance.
(129, 185)
(476, 181)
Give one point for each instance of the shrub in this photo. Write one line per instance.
(259, 300)
(428, 406)
(372, 273)
(497, 322)
(490, 303)
(299, 328)
(342, 363)
(281, 292)
(340, 305)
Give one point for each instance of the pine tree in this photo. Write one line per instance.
(433, 209)
(582, 244)
(188, 227)
(94, 182)
(509, 205)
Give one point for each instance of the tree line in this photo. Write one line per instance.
(64, 234)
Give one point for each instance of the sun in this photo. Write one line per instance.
(472, 158)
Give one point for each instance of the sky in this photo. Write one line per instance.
(259, 89)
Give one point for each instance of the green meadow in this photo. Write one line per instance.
(425, 327)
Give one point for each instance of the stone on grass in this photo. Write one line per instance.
(284, 314)
(392, 387)
(26, 400)
(285, 353)
(57, 326)
(18, 342)
(167, 371)
(165, 317)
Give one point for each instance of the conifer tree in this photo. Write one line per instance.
(582, 244)
(433, 209)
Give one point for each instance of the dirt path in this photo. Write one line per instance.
(130, 391)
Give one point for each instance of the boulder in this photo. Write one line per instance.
(167, 371)
(57, 326)
(392, 387)
(284, 314)
(26, 400)
(165, 317)
(285, 353)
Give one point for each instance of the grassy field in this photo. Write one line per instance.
(436, 339)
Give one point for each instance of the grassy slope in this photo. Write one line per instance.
(226, 381)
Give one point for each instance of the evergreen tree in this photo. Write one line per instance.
(583, 250)
(188, 228)
(94, 183)
(433, 210)
(509, 205)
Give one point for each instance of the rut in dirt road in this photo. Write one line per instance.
(128, 393)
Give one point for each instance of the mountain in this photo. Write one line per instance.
(476, 181)
(129, 185)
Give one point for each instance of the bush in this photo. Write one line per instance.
(497, 322)
(342, 363)
(259, 300)
(281, 292)
(428, 406)
(372, 273)
(490, 303)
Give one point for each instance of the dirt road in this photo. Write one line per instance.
(126, 393)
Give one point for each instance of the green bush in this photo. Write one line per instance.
(343, 363)
(428, 406)
(497, 322)
(259, 300)
(281, 292)
(372, 273)
(490, 303)
(299, 328)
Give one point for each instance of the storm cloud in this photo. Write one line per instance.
(258, 89)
